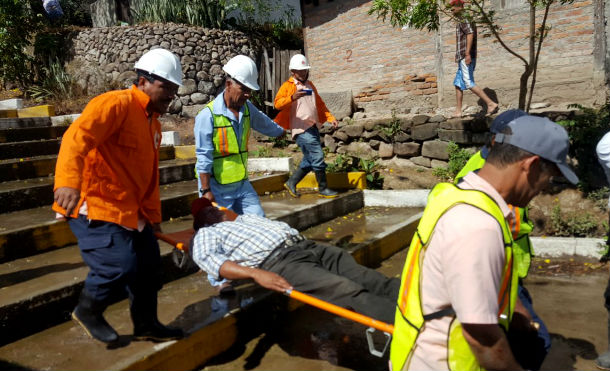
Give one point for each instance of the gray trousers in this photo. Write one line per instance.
(331, 274)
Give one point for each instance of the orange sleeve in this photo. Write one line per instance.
(100, 119)
(283, 98)
(324, 114)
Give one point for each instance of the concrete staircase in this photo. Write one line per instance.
(42, 273)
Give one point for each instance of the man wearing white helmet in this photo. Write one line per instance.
(107, 187)
(303, 111)
(222, 130)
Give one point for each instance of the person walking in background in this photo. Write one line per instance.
(107, 186)
(466, 58)
(222, 130)
(303, 111)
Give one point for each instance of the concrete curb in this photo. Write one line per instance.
(565, 246)
(402, 198)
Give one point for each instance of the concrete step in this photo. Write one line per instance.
(42, 166)
(23, 122)
(26, 149)
(18, 195)
(32, 231)
(26, 134)
(213, 323)
(41, 290)
(33, 167)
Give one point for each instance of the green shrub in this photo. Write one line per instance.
(582, 225)
(57, 84)
(17, 25)
(458, 157)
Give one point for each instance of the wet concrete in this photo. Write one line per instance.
(309, 339)
(360, 226)
(29, 148)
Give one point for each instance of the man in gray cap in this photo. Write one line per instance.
(522, 252)
(460, 280)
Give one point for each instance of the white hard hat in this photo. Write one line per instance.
(243, 69)
(162, 63)
(298, 62)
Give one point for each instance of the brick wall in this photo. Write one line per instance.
(349, 49)
(389, 67)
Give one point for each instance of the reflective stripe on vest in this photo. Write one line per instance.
(230, 158)
(410, 317)
(521, 228)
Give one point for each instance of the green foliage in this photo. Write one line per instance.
(205, 13)
(600, 197)
(57, 84)
(17, 24)
(346, 163)
(392, 128)
(261, 151)
(417, 14)
(458, 157)
(280, 142)
(582, 225)
(585, 130)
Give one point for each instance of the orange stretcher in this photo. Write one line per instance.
(181, 240)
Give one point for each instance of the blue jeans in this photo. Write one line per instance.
(118, 259)
(313, 156)
(240, 197)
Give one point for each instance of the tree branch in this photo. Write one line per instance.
(493, 30)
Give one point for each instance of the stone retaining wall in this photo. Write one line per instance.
(107, 54)
(422, 139)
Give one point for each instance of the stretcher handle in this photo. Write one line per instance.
(165, 238)
(340, 311)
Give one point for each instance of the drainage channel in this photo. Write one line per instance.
(214, 324)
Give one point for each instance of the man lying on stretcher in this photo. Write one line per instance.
(278, 258)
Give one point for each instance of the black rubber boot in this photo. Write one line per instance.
(146, 325)
(603, 361)
(323, 189)
(89, 314)
(295, 178)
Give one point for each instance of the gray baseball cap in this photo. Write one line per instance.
(499, 123)
(542, 137)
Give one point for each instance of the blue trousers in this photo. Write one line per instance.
(313, 156)
(529, 351)
(240, 197)
(119, 260)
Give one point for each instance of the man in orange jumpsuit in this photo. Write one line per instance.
(107, 187)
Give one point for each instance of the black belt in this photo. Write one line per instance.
(278, 252)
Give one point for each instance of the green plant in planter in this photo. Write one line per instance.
(347, 163)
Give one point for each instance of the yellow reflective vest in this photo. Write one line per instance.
(230, 159)
(521, 227)
(410, 318)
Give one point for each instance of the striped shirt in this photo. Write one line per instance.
(461, 31)
(247, 241)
